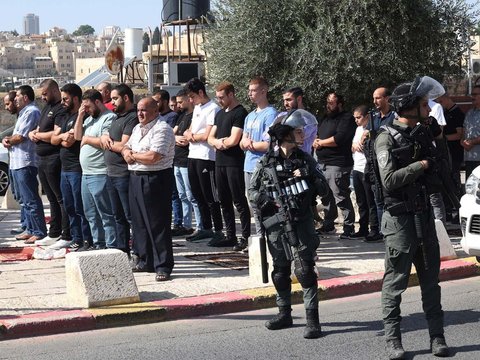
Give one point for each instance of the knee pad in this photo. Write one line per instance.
(281, 278)
(305, 273)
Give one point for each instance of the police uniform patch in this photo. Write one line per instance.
(383, 157)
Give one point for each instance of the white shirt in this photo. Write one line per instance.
(436, 111)
(155, 136)
(203, 116)
(359, 159)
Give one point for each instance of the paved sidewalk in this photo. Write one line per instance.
(33, 293)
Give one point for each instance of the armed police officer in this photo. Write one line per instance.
(405, 170)
(284, 185)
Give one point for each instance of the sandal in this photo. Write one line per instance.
(161, 276)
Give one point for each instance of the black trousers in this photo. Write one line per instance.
(231, 191)
(201, 174)
(150, 197)
(49, 169)
(367, 208)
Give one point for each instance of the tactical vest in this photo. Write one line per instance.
(404, 153)
(284, 169)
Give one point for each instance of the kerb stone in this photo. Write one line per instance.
(99, 278)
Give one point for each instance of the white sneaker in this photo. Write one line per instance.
(60, 244)
(42, 254)
(60, 253)
(46, 241)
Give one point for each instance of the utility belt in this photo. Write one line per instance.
(398, 207)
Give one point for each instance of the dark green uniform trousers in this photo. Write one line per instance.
(402, 249)
(304, 264)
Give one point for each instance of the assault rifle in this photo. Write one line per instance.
(285, 215)
(440, 175)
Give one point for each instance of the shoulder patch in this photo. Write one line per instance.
(383, 158)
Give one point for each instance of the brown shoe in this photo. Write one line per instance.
(23, 236)
(32, 239)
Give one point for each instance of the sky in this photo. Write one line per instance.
(69, 15)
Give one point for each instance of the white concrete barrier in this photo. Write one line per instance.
(9, 202)
(99, 278)
(254, 260)
(447, 252)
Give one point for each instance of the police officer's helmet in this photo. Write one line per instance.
(284, 124)
(407, 95)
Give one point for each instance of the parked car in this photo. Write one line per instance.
(4, 178)
(470, 215)
(4, 161)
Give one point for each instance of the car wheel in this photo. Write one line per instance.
(478, 259)
(3, 179)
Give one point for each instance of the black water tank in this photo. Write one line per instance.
(191, 9)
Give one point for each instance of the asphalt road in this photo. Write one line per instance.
(351, 326)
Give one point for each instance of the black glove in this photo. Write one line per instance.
(434, 127)
(303, 172)
(266, 204)
(432, 166)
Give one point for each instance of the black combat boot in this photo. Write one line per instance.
(282, 320)
(395, 349)
(312, 329)
(439, 346)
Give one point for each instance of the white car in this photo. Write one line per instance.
(470, 215)
(3, 170)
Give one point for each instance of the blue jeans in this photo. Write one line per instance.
(16, 196)
(71, 186)
(186, 197)
(177, 208)
(26, 186)
(98, 210)
(118, 192)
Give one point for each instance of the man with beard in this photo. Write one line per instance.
(293, 99)
(23, 165)
(9, 102)
(162, 97)
(117, 169)
(71, 175)
(333, 147)
(49, 165)
(96, 202)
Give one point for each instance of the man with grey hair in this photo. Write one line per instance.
(149, 154)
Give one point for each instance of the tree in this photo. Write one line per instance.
(84, 30)
(156, 38)
(146, 42)
(14, 32)
(352, 47)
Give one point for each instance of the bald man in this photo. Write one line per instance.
(149, 154)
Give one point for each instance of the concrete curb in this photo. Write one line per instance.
(56, 322)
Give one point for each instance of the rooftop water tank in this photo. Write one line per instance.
(191, 9)
(133, 43)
